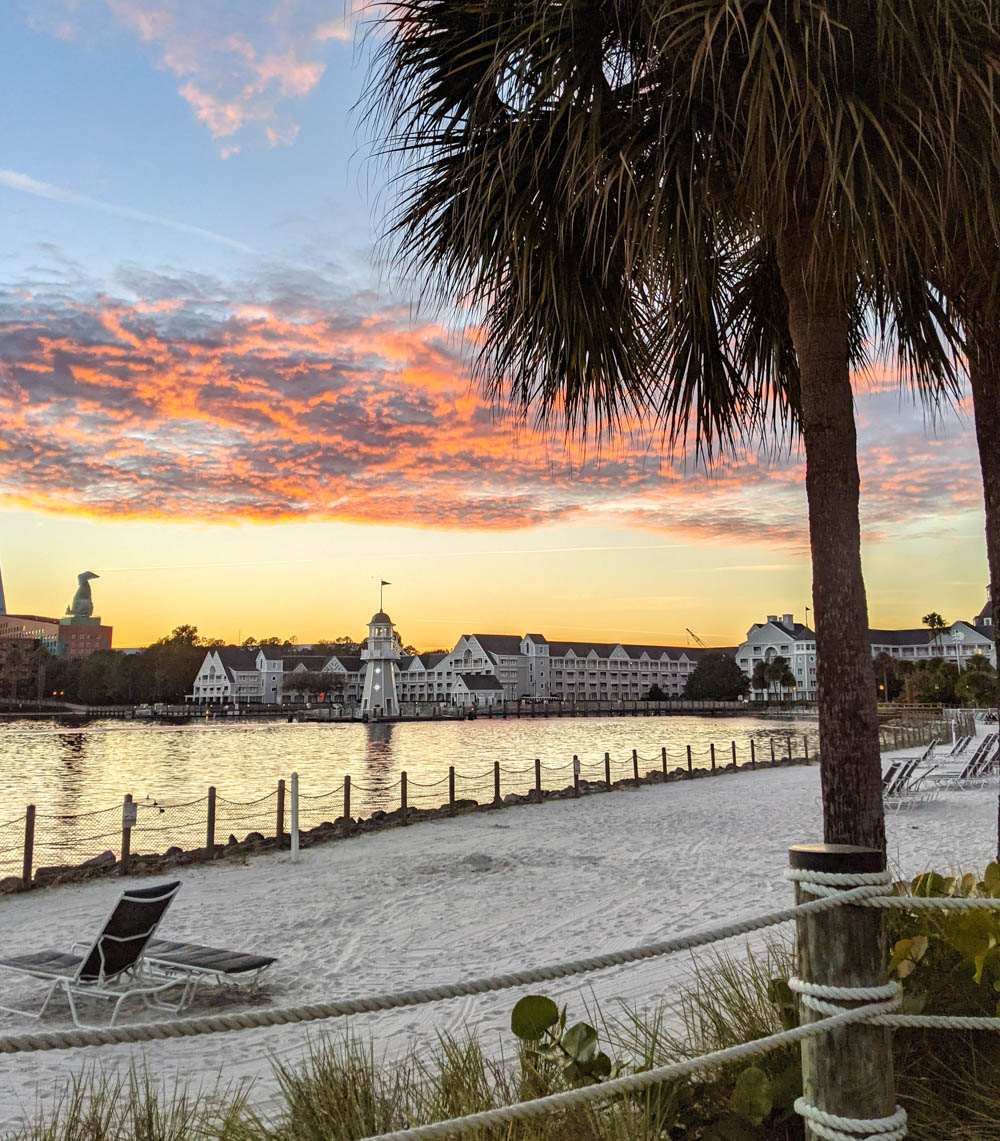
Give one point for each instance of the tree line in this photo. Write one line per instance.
(162, 672)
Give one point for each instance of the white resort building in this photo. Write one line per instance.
(781, 636)
(486, 669)
(482, 670)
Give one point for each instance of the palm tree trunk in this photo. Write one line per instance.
(851, 771)
(984, 376)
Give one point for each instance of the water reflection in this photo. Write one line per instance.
(93, 766)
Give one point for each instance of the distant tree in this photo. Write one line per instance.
(935, 624)
(306, 682)
(978, 662)
(885, 668)
(717, 677)
(977, 686)
(180, 636)
(411, 650)
(655, 694)
(776, 671)
(932, 681)
(786, 681)
(759, 681)
(22, 669)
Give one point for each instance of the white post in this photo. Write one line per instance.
(295, 818)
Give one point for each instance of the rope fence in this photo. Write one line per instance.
(42, 848)
(848, 1085)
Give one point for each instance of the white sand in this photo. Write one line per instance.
(455, 899)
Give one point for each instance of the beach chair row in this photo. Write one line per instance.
(910, 781)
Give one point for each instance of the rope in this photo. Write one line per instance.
(604, 1091)
(937, 1022)
(214, 1024)
(826, 1000)
(833, 1128)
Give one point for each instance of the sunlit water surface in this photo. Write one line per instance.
(67, 771)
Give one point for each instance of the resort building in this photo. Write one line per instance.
(482, 670)
(781, 636)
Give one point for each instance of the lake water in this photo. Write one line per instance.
(73, 770)
(67, 772)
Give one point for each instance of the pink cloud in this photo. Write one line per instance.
(240, 66)
(182, 402)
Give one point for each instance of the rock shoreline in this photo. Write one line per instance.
(108, 864)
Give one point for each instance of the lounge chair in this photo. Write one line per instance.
(976, 769)
(194, 964)
(112, 968)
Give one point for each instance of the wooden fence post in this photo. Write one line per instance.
(576, 775)
(847, 1072)
(753, 754)
(805, 746)
(663, 758)
(29, 845)
(635, 764)
(126, 833)
(772, 751)
(279, 826)
(402, 795)
(734, 754)
(496, 782)
(790, 759)
(451, 790)
(607, 769)
(347, 798)
(210, 822)
(712, 747)
(689, 760)
(538, 780)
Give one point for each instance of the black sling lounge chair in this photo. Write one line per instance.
(194, 964)
(112, 968)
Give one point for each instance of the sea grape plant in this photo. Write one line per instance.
(541, 1026)
(949, 962)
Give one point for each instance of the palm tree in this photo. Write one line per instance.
(884, 665)
(936, 625)
(601, 182)
(759, 682)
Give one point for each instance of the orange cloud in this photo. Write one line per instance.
(185, 403)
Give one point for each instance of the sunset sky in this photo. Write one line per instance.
(210, 396)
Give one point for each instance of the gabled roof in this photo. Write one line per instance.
(539, 639)
(272, 653)
(235, 658)
(350, 662)
(986, 612)
(481, 681)
(431, 660)
(581, 649)
(312, 662)
(508, 644)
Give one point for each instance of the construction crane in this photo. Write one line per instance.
(696, 638)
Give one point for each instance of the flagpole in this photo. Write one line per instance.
(381, 587)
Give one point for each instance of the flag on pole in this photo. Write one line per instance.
(384, 583)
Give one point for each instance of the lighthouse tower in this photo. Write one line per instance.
(378, 698)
